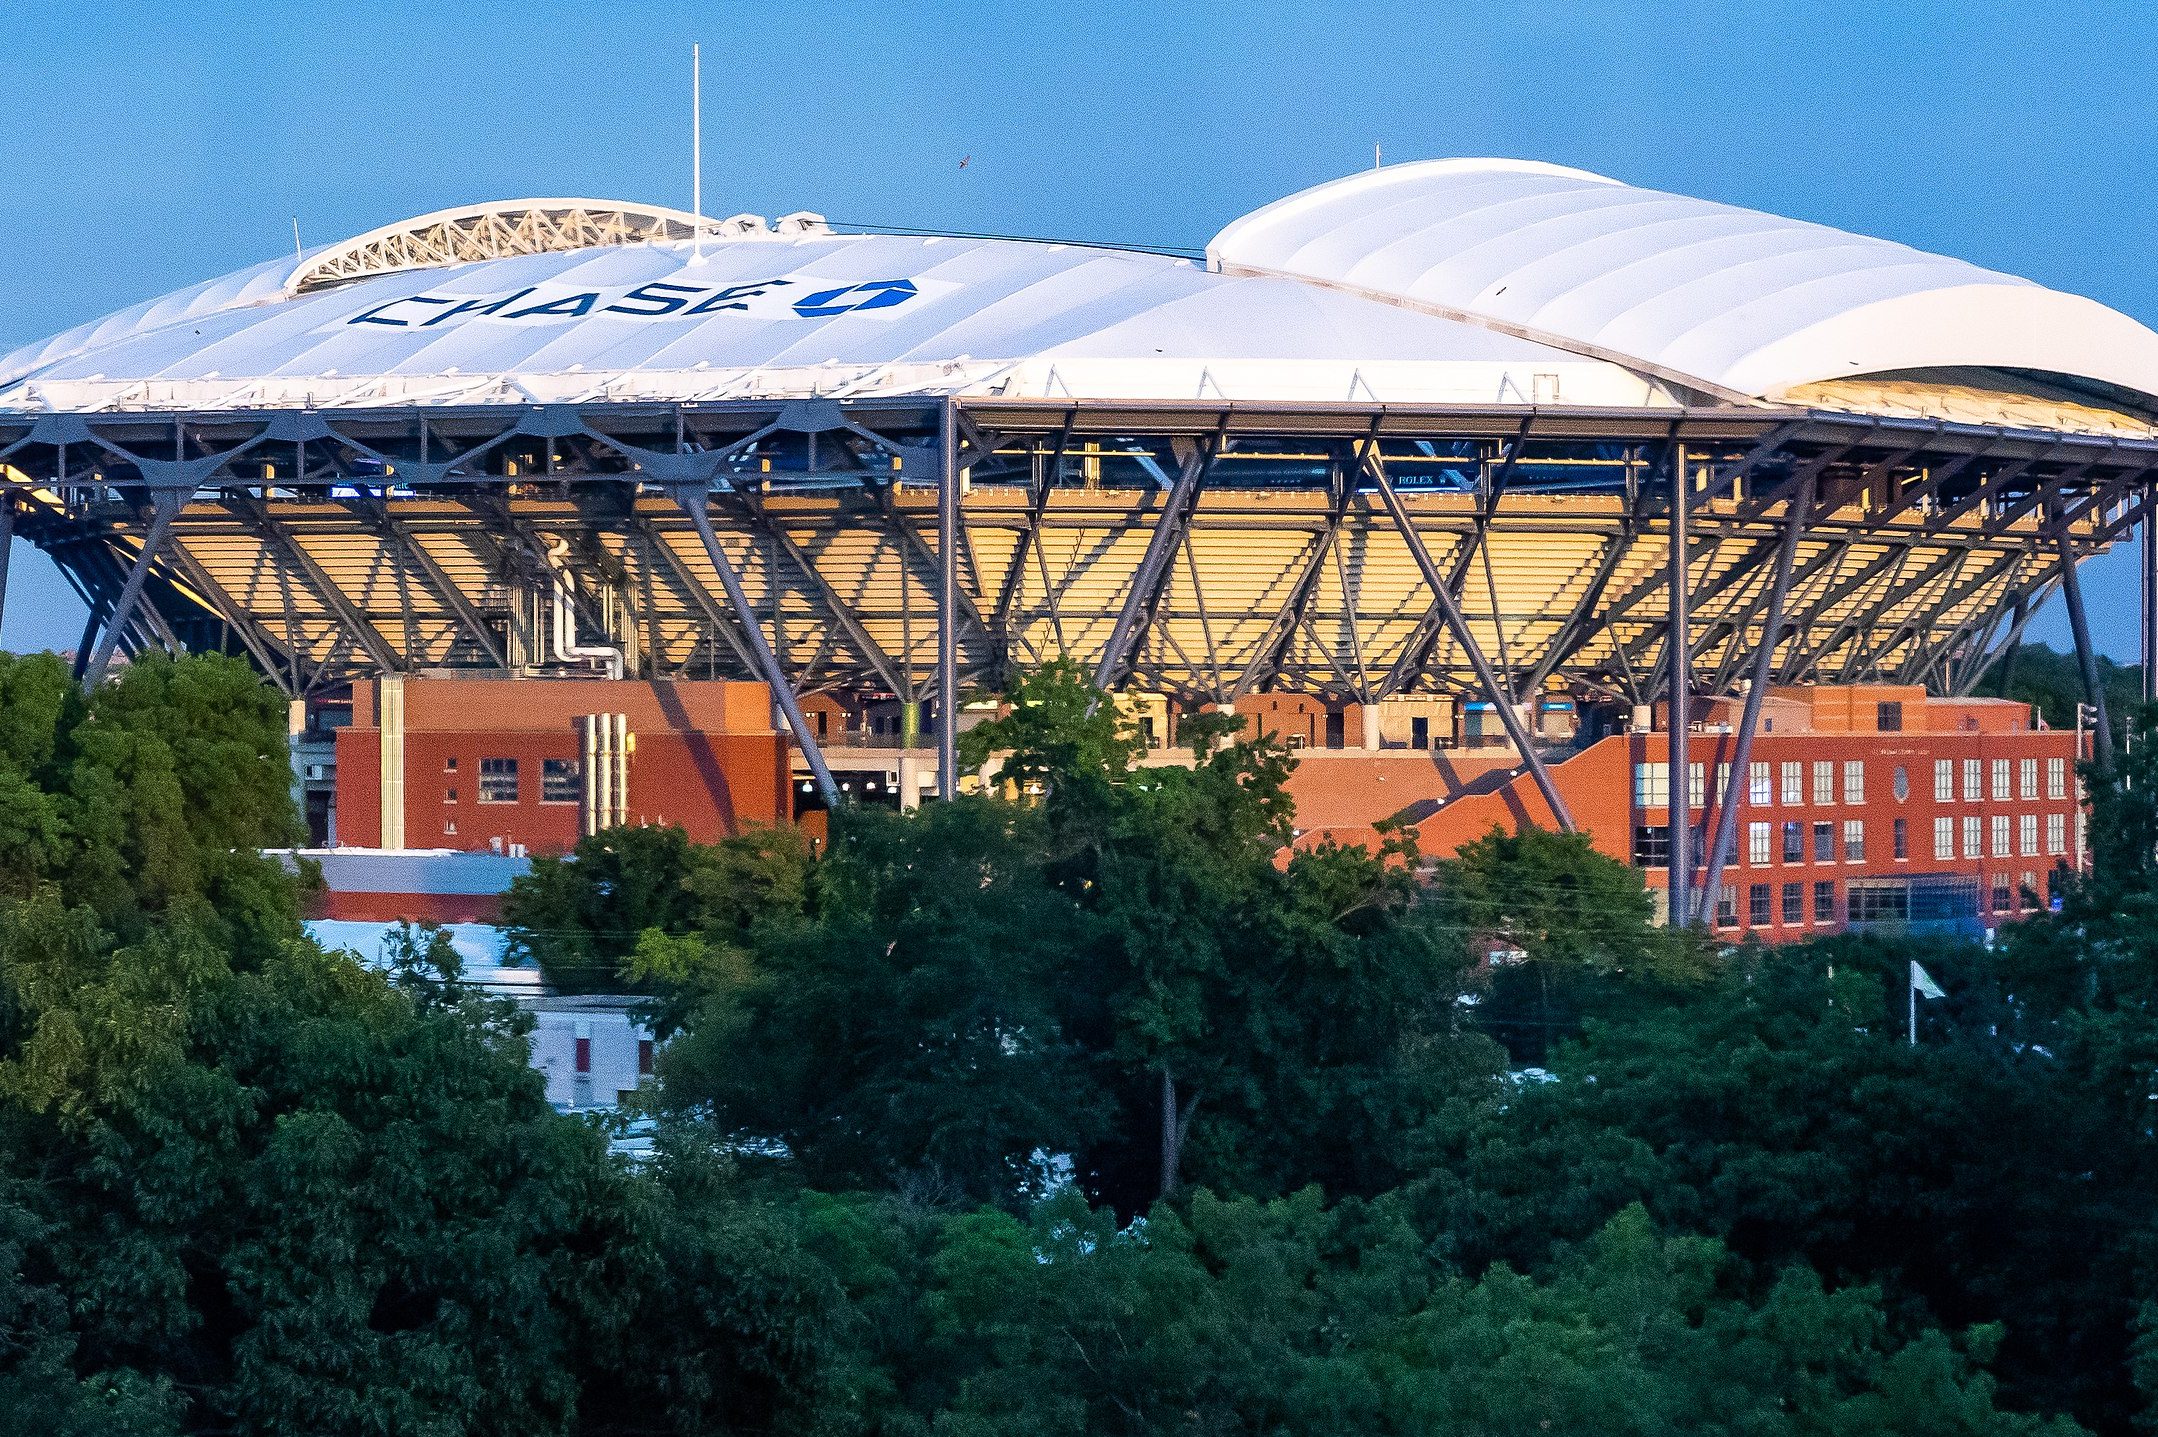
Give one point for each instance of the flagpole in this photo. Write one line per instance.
(1910, 989)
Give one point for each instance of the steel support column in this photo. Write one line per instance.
(1731, 800)
(165, 506)
(948, 602)
(1151, 577)
(695, 500)
(1450, 613)
(7, 543)
(1679, 720)
(2086, 655)
(2147, 631)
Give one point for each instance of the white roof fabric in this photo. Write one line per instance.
(1483, 282)
(770, 315)
(1708, 295)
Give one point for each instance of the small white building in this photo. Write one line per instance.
(591, 1049)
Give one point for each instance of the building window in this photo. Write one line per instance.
(1824, 781)
(1901, 833)
(449, 795)
(561, 780)
(1759, 901)
(2056, 778)
(1696, 780)
(1944, 780)
(1794, 783)
(2056, 833)
(449, 828)
(498, 780)
(584, 1053)
(1723, 782)
(1824, 901)
(1900, 785)
(644, 1058)
(1824, 843)
(1652, 785)
(1854, 840)
(449, 765)
(1757, 844)
(1794, 903)
(1760, 791)
(1973, 780)
(2001, 894)
(1854, 781)
(2027, 834)
(1880, 900)
(2000, 835)
(1794, 842)
(1973, 836)
(1888, 716)
(1652, 845)
(1944, 838)
(2027, 778)
(2000, 779)
(1726, 906)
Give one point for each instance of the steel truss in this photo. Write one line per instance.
(921, 550)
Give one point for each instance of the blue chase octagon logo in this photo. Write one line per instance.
(875, 294)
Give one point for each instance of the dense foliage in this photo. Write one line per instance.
(1085, 1108)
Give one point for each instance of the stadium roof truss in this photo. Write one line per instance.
(1203, 552)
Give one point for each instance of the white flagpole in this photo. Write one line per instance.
(1910, 987)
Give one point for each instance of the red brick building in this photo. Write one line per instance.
(530, 765)
(1861, 804)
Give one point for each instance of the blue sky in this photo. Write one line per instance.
(151, 146)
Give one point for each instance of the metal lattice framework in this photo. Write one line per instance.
(1203, 552)
(494, 231)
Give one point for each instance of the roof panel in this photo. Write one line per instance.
(1729, 299)
(775, 314)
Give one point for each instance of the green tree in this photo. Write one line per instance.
(1265, 1023)
(906, 1032)
(1568, 930)
(579, 917)
(1780, 1110)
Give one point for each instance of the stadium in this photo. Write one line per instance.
(1447, 456)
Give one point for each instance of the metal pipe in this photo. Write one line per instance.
(1733, 798)
(1678, 660)
(1450, 612)
(948, 601)
(165, 505)
(693, 498)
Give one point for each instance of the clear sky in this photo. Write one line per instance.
(150, 146)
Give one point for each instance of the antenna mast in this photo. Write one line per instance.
(696, 145)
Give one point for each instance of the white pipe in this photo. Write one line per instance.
(620, 759)
(588, 730)
(566, 647)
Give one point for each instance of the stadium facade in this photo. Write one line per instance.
(1457, 452)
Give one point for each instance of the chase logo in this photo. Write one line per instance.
(654, 300)
(877, 294)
